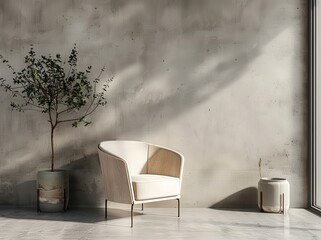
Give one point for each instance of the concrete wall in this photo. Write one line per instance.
(223, 82)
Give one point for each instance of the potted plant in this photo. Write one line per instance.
(273, 193)
(58, 89)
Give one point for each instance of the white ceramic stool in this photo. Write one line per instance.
(274, 195)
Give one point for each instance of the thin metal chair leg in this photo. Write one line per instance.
(105, 209)
(132, 216)
(142, 206)
(178, 208)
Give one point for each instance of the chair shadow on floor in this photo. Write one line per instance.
(244, 200)
(81, 215)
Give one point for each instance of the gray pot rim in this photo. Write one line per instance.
(273, 179)
(59, 171)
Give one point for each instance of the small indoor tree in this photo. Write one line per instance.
(57, 88)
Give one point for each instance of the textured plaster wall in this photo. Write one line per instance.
(223, 82)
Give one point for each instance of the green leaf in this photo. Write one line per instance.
(51, 85)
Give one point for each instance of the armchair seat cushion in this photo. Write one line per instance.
(149, 186)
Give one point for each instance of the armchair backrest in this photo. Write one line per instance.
(164, 161)
(135, 154)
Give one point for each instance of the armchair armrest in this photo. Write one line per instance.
(164, 161)
(117, 181)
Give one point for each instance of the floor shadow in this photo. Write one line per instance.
(243, 200)
(81, 215)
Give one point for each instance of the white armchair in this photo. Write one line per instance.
(138, 173)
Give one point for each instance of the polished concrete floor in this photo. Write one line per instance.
(157, 223)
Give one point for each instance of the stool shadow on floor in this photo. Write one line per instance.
(244, 200)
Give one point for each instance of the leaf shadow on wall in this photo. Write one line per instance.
(168, 59)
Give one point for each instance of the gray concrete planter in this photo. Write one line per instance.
(52, 191)
(274, 195)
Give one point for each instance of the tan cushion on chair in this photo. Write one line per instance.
(149, 186)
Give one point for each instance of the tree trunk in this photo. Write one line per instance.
(52, 148)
